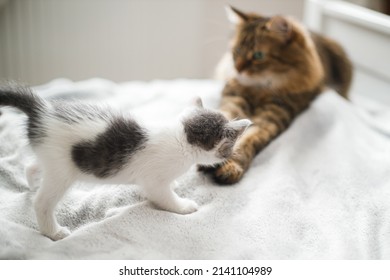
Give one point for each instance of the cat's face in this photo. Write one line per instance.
(264, 47)
(211, 134)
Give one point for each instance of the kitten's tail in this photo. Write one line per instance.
(23, 99)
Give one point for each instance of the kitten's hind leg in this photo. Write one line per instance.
(53, 188)
(166, 199)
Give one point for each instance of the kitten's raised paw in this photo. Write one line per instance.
(227, 174)
(60, 234)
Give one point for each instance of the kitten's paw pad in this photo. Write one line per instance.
(187, 206)
(229, 173)
(60, 234)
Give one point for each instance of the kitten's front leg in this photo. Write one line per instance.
(166, 199)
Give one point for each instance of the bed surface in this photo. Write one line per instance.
(320, 191)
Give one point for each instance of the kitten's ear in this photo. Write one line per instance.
(197, 102)
(280, 25)
(235, 16)
(240, 125)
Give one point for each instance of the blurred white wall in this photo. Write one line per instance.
(119, 40)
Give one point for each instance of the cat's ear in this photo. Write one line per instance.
(235, 16)
(280, 25)
(239, 125)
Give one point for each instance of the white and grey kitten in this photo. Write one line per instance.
(81, 142)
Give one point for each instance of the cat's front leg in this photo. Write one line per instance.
(166, 199)
(269, 121)
(227, 173)
(252, 141)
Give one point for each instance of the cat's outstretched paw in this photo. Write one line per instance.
(227, 173)
(61, 233)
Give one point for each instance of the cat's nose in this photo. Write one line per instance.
(241, 64)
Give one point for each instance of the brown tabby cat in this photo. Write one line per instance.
(277, 69)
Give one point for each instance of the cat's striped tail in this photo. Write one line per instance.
(23, 99)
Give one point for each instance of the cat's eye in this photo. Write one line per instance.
(258, 55)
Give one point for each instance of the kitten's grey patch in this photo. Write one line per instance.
(205, 129)
(111, 150)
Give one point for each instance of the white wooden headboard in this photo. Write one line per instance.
(365, 34)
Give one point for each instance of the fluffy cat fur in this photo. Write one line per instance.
(80, 142)
(273, 72)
